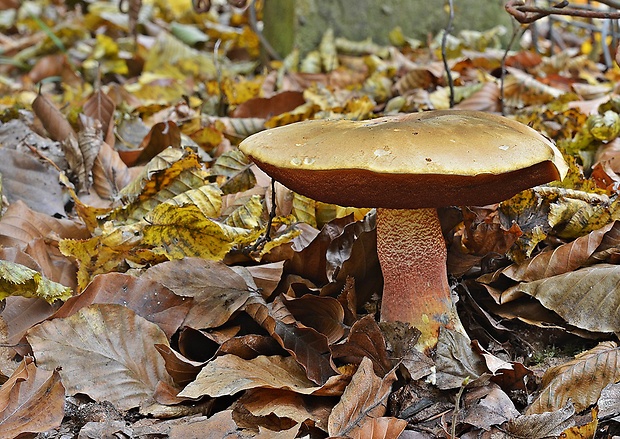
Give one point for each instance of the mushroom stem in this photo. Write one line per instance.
(412, 253)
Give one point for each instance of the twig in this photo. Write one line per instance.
(221, 105)
(457, 407)
(254, 25)
(444, 57)
(272, 214)
(502, 75)
(526, 14)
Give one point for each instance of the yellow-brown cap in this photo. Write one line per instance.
(428, 159)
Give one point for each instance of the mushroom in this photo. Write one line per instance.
(407, 166)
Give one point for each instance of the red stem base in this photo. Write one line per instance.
(412, 254)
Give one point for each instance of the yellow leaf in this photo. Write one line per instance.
(247, 216)
(236, 167)
(159, 173)
(106, 252)
(241, 90)
(184, 231)
(18, 280)
(303, 112)
(105, 46)
(207, 198)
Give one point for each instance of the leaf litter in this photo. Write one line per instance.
(133, 240)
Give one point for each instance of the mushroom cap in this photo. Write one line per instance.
(428, 159)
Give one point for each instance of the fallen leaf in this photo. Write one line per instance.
(586, 298)
(122, 367)
(380, 428)
(148, 299)
(456, 361)
(365, 340)
(579, 381)
(216, 289)
(542, 425)
(364, 399)
(229, 374)
(32, 400)
(18, 280)
(288, 404)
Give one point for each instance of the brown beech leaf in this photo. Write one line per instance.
(162, 135)
(117, 345)
(229, 374)
(380, 428)
(220, 425)
(199, 345)
(54, 65)
(487, 406)
(485, 99)
(365, 340)
(542, 425)
(456, 361)
(587, 298)
(217, 290)
(181, 369)
(100, 107)
(265, 108)
(310, 262)
(251, 346)
(18, 316)
(25, 178)
(354, 253)
(32, 400)
(580, 380)
(609, 249)
(509, 375)
(52, 119)
(20, 225)
(110, 173)
(325, 314)
(52, 264)
(288, 404)
(90, 139)
(364, 399)
(267, 276)
(308, 347)
(563, 259)
(147, 298)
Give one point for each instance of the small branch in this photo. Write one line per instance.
(254, 25)
(502, 74)
(444, 57)
(457, 407)
(526, 14)
(272, 214)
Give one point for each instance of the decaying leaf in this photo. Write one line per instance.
(365, 340)
(229, 374)
(364, 400)
(32, 400)
(122, 367)
(587, 298)
(542, 425)
(216, 289)
(579, 381)
(456, 362)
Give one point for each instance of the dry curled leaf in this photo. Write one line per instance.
(364, 400)
(587, 298)
(580, 380)
(32, 400)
